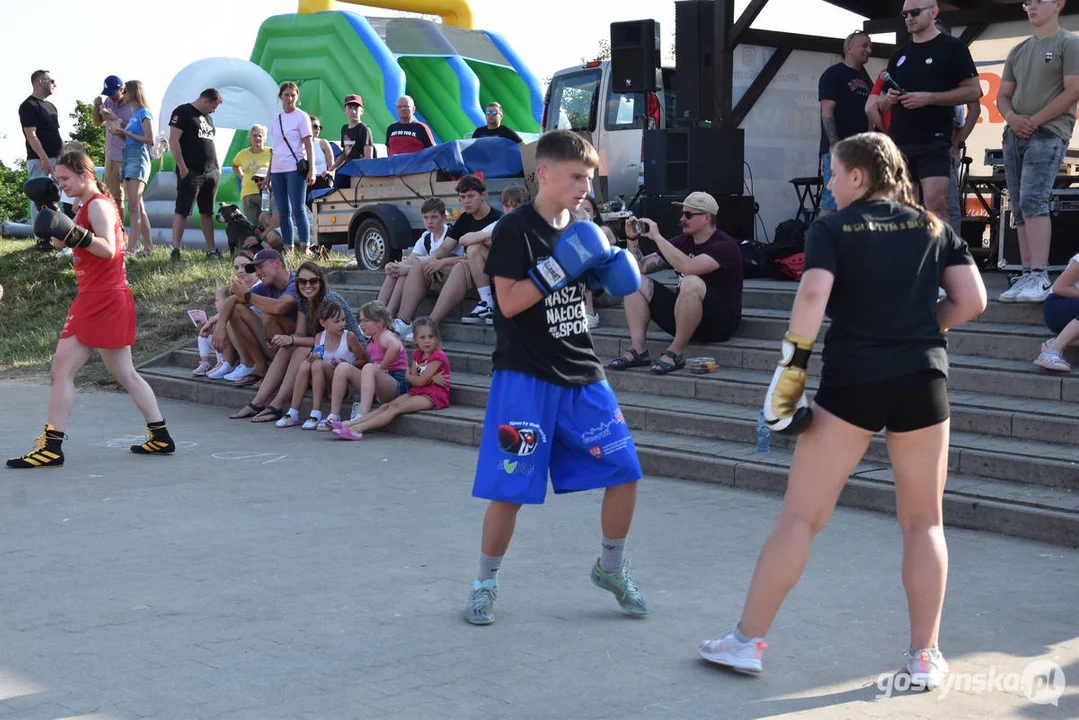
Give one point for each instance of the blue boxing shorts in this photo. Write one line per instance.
(533, 429)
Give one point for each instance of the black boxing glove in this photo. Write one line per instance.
(43, 192)
(51, 224)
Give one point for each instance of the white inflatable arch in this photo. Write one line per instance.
(249, 92)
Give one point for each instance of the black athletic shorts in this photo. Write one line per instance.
(901, 404)
(718, 322)
(196, 187)
(927, 160)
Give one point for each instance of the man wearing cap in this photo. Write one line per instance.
(115, 109)
(41, 128)
(494, 126)
(274, 297)
(706, 307)
(356, 139)
(408, 135)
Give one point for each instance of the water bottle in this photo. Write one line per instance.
(355, 411)
(319, 351)
(764, 434)
(265, 199)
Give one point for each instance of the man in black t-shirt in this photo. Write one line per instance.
(706, 307)
(356, 140)
(494, 126)
(935, 73)
(842, 92)
(550, 412)
(41, 128)
(407, 135)
(191, 140)
(450, 265)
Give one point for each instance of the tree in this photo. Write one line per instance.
(93, 138)
(13, 204)
(602, 53)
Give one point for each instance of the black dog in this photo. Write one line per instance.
(238, 229)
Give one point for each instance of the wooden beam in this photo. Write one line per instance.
(973, 32)
(760, 83)
(748, 16)
(812, 43)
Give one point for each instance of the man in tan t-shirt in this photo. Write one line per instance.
(1037, 97)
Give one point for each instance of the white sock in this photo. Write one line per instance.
(293, 413)
(485, 295)
(219, 357)
(317, 414)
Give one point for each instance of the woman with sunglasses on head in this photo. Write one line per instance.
(292, 349)
(874, 266)
(230, 357)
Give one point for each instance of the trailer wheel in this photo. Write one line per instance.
(371, 243)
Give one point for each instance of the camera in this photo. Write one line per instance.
(640, 227)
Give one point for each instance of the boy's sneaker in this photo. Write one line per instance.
(621, 586)
(1009, 295)
(481, 602)
(727, 651)
(239, 373)
(158, 441)
(1036, 289)
(46, 453)
(479, 314)
(401, 327)
(926, 667)
(175, 254)
(1052, 360)
(203, 368)
(220, 371)
(593, 321)
(214, 255)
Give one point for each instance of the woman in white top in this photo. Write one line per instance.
(1062, 317)
(323, 159)
(292, 141)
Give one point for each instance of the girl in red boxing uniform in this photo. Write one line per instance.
(102, 315)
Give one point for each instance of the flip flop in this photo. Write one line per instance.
(268, 414)
(662, 367)
(639, 359)
(248, 381)
(255, 410)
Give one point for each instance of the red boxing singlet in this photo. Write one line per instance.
(103, 314)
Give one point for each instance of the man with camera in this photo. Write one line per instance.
(707, 305)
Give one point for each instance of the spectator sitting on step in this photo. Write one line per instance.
(383, 377)
(433, 212)
(429, 377)
(206, 348)
(313, 291)
(229, 358)
(477, 245)
(457, 279)
(706, 307)
(275, 296)
(334, 346)
(590, 211)
(1061, 312)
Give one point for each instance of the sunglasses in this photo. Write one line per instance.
(492, 112)
(687, 214)
(308, 281)
(913, 13)
(1035, 3)
(316, 127)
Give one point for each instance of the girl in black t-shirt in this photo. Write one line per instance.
(875, 266)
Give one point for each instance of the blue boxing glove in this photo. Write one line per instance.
(581, 247)
(618, 275)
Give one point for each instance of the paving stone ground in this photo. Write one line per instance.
(264, 574)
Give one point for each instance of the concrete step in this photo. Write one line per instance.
(1035, 512)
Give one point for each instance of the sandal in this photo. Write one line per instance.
(310, 423)
(255, 410)
(636, 359)
(662, 367)
(268, 414)
(287, 421)
(248, 381)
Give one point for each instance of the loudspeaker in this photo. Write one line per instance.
(695, 52)
(736, 215)
(1064, 214)
(685, 160)
(635, 56)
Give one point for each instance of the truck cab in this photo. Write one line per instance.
(583, 98)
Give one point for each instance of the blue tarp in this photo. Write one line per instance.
(494, 157)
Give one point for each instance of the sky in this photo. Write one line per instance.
(151, 41)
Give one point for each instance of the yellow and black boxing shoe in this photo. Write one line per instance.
(46, 453)
(158, 441)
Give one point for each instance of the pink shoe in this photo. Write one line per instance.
(345, 433)
(336, 424)
(203, 368)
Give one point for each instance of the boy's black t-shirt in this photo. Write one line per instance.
(501, 131)
(197, 133)
(938, 65)
(466, 223)
(42, 116)
(883, 305)
(354, 140)
(549, 340)
(848, 89)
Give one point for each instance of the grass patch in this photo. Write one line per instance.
(39, 289)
